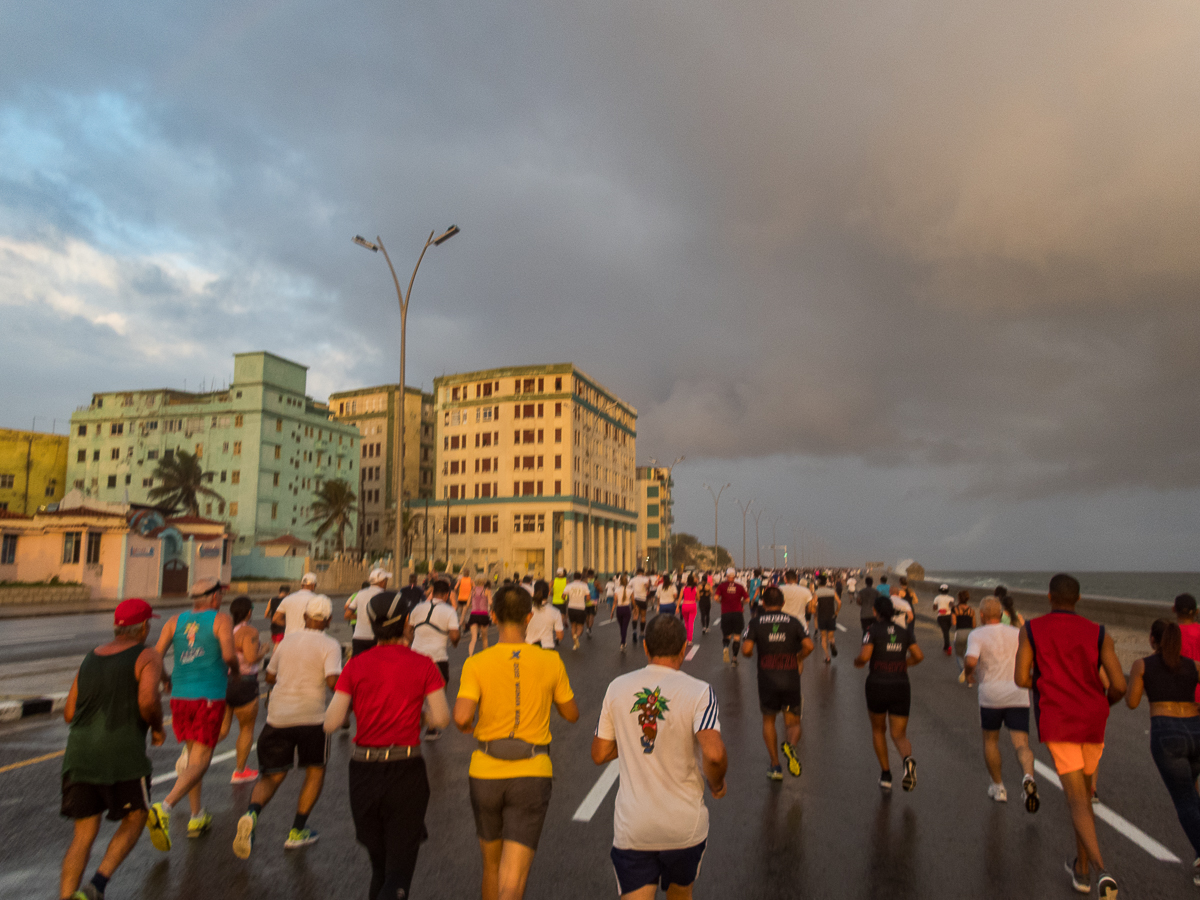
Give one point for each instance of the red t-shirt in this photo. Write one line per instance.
(1191, 645)
(1069, 699)
(731, 596)
(387, 686)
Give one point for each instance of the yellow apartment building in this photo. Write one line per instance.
(33, 470)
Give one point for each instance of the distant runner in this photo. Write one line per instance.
(826, 604)
(943, 605)
(732, 597)
(577, 594)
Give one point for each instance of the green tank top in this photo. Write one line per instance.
(107, 741)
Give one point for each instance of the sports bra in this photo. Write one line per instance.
(1164, 686)
(962, 619)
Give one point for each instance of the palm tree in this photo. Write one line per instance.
(334, 508)
(180, 482)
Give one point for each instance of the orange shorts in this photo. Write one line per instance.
(1073, 757)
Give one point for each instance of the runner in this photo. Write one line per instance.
(114, 700)
(241, 696)
(640, 585)
(560, 584)
(480, 618)
(754, 590)
(546, 626)
(704, 602)
(902, 614)
(943, 605)
(782, 642)
(663, 727)
(576, 594)
(272, 608)
(410, 596)
(964, 621)
(431, 625)
(462, 594)
(204, 659)
(1010, 616)
(303, 665)
(908, 595)
(990, 658)
(389, 788)
(1169, 680)
(668, 597)
(796, 596)
(1189, 629)
(363, 638)
(687, 606)
(622, 608)
(731, 596)
(592, 601)
(510, 775)
(890, 650)
(1060, 658)
(290, 611)
(852, 585)
(826, 604)
(866, 603)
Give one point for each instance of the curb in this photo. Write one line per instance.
(12, 710)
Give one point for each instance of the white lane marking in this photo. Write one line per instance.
(841, 627)
(220, 757)
(695, 649)
(24, 642)
(609, 622)
(599, 791)
(1121, 824)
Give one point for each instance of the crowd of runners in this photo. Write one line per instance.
(661, 724)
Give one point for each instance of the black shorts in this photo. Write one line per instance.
(777, 698)
(482, 619)
(1016, 718)
(577, 616)
(240, 691)
(638, 868)
(641, 604)
(894, 699)
(732, 623)
(829, 624)
(510, 809)
(444, 668)
(279, 749)
(81, 800)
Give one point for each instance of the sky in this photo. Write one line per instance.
(918, 279)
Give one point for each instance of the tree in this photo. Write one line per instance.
(180, 482)
(334, 507)
(687, 552)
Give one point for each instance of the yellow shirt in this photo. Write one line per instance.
(514, 686)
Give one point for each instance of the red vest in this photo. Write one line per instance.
(1069, 699)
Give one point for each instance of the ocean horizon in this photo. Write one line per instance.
(1155, 587)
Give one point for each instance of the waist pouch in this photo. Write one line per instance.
(513, 749)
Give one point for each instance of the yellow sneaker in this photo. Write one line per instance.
(198, 825)
(158, 823)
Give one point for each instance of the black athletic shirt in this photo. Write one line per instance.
(826, 603)
(889, 659)
(777, 638)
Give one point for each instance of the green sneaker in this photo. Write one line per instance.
(793, 760)
(158, 823)
(243, 843)
(199, 825)
(88, 892)
(300, 837)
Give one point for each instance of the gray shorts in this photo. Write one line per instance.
(511, 809)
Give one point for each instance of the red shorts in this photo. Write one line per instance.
(276, 638)
(197, 720)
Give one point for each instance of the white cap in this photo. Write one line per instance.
(730, 571)
(379, 575)
(319, 607)
(561, 571)
(309, 578)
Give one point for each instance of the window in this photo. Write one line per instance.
(558, 384)
(95, 455)
(71, 542)
(51, 488)
(487, 389)
(527, 436)
(454, 443)
(517, 411)
(527, 462)
(454, 394)
(128, 479)
(93, 548)
(558, 408)
(81, 456)
(279, 424)
(558, 435)
(557, 488)
(527, 488)
(278, 452)
(652, 532)
(458, 524)
(235, 477)
(117, 428)
(237, 420)
(529, 523)
(541, 435)
(112, 481)
(539, 488)
(233, 508)
(527, 411)
(454, 467)
(115, 453)
(199, 451)
(208, 508)
(8, 550)
(652, 491)
(528, 387)
(168, 454)
(147, 482)
(274, 508)
(652, 510)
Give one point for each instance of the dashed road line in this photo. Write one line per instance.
(695, 649)
(841, 627)
(29, 762)
(599, 791)
(220, 757)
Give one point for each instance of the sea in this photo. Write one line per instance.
(1160, 587)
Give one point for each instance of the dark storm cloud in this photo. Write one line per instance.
(925, 236)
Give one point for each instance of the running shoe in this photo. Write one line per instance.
(88, 892)
(1196, 872)
(793, 760)
(181, 763)
(243, 843)
(910, 774)
(1095, 798)
(946, 651)
(1081, 883)
(1032, 801)
(199, 825)
(622, 648)
(300, 837)
(775, 773)
(998, 793)
(244, 777)
(885, 780)
(576, 647)
(962, 677)
(158, 823)
(1106, 887)
(725, 655)
(833, 649)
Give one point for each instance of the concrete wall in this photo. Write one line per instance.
(143, 567)
(256, 565)
(67, 593)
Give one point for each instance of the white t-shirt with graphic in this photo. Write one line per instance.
(578, 594)
(653, 714)
(995, 646)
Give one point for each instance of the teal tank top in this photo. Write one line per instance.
(200, 671)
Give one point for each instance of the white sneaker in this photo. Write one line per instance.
(998, 793)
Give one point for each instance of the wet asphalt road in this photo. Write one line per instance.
(829, 833)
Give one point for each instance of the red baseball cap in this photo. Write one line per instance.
(133, 612)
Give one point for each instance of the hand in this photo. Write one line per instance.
(157, 736)
(166, 684)
(718, 791)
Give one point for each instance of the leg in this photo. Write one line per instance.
(123, 841)
(791, 724)
(879, 739)
(1020, 741)
(770, 737)
(246, 715)
(899, 729)
(314, 780)
(825, 644)
(944, 624)
(679, 892)
(1078, 789)
(225, 724)
(265, 787)
(991, 753)
(491, 852)
(407, 801)
(1176, 765)
(474, 638)
(77, 855)
(515, 862)
(199, 757)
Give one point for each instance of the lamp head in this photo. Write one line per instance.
(449, 233)
(363, 242)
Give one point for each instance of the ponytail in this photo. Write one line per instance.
(1169, 638)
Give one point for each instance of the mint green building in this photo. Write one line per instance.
(265, 446)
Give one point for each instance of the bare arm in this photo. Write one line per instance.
(279, 618)
(409, 629)
(864, 656)
(969, 664)
(437, 715)
(337, 711)
(603, 750)
(715, 761)
(568, 710)
(1112, 668)
(915, 655)
(223, 630)
(1023, 671)
(249, 643)
(455, 634)
(149, 676)
(747, 647)
(464, 714)
(331, 681)
(806, 647)
(1137, 684)
(72, 699)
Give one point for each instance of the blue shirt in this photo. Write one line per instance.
(200, 671)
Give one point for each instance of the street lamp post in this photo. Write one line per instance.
(716, 520)
(757, 543)
(745, 509)
(774, 559)
(670, 487)
(398, 547)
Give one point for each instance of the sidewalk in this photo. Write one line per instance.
(27, 610)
